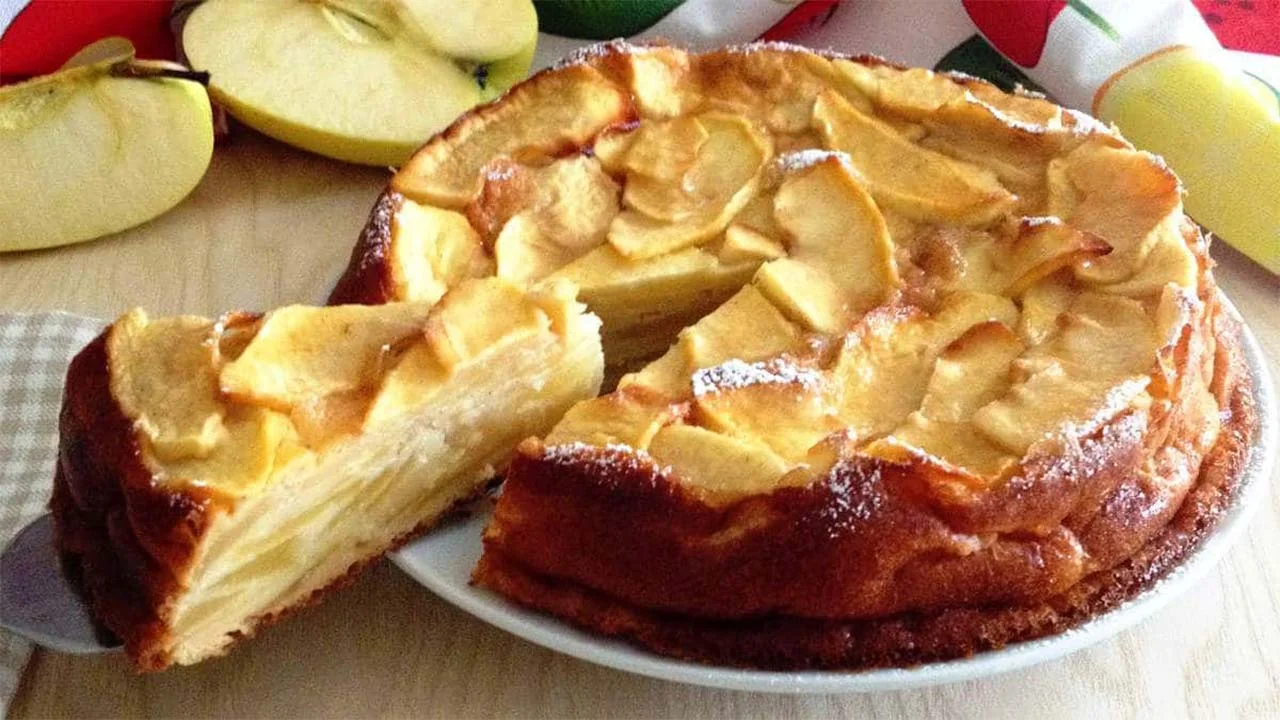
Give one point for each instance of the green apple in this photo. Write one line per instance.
(104, 144)
(366, 81)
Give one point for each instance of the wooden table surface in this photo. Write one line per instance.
(270, 225)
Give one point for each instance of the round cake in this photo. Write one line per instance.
(907, 367)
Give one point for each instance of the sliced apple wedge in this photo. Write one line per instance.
(655, 76)
(744, 244)
(690, 206)
(481, 316)
(571, 200)
(1051, 399)
(576, 202)
(1103, 336)
(255, 438)
(173, 393)
(545, 217)
(1007, 260)
(1128, 198)
(913, 94)
(922, 184)
(432, 250)
(720, 466)
(757, 214)
(667, 377)
(1042, 303)
(98, 148)
(834, 226)
(611, 148)
(566, 110)
(625, 292)
(777, 403)
(882, 373)
(1040, 247)
(1016, 151)
(962, 310)
(525, 253)
(1169, 261)
(803, 293)
(291, 359)
(665, 150)
(415, 377)
(747, 327)
(970, 458)
(630, 418)
(477, 30)
(971, 372)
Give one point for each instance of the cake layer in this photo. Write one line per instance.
(184, 550)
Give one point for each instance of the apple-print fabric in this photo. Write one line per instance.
(34, 352)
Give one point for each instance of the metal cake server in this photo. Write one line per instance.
(36, 600)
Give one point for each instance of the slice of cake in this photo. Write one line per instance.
(216, 474)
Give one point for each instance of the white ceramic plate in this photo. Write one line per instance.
(442, 561)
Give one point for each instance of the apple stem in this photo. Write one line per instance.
(144, 71)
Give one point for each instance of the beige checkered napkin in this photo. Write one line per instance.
(34, 351)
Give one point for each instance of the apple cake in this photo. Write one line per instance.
(214, 474)
(919, 367)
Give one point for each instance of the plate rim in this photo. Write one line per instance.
(555, 634)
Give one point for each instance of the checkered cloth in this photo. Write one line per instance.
(34, 351)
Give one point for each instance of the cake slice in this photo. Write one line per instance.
(215, 474)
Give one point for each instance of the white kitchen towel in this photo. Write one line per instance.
(34, 352)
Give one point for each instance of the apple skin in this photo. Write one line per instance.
(109, 153)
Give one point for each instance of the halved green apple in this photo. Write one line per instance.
(104, 144)
(366, 81)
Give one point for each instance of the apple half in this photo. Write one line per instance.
(106, 143)
(365, 81)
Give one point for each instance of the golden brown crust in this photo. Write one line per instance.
(779, 641)
(368, 278)
(131, 541)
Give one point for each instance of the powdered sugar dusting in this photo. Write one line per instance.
(585, 55)
(1031, 222)
(1083, 124)
(576, 450)
(1007, 119)
(737, 374)
(498, 172)
(605, 458)
(800, 160)
(856, 497)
